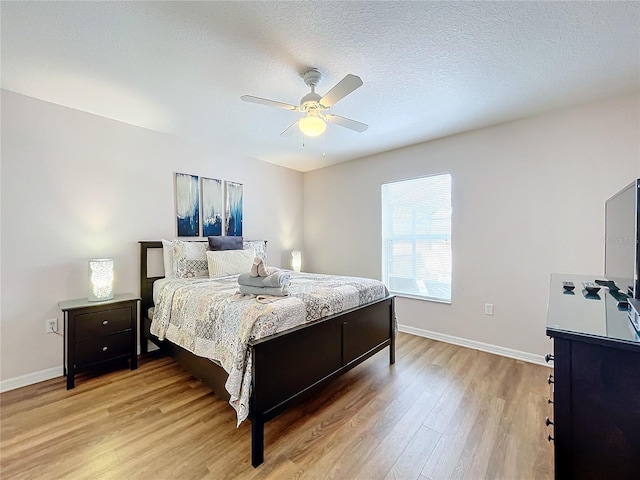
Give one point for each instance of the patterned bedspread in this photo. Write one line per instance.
(210, 318)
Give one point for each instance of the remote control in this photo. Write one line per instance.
(609, 284)
(591, 287)
(568, 285)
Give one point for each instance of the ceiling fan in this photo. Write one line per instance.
(315, 120)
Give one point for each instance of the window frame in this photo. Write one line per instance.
(387, 242)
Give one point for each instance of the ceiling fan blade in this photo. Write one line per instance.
(346, 122)
(343, 88)
(290, 130)
(264, 101)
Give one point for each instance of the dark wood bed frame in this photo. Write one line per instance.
(282, 372)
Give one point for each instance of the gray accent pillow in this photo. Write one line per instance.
(222, 242)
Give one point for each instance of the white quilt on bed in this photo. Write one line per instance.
(210, 318)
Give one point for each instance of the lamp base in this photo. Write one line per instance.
(101, 299)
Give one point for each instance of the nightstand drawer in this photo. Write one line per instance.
(91, 325)
(103, 348)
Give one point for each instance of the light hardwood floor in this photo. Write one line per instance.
(440, 412)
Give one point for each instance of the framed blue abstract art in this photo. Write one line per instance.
(187, 205)
(234, 209)
(212, 206)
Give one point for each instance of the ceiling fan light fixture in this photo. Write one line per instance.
(314, 106)
(312, 125)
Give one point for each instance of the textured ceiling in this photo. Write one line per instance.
(430, 69)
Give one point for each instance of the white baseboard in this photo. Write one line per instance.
(484, 347)
(42, 375)
(30, 379)
(48, 374)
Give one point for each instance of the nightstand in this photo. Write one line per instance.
(97, 333)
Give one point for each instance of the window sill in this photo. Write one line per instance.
(419, 297)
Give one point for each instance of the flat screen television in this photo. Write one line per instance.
(622, 239)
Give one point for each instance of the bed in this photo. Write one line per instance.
(281, 372)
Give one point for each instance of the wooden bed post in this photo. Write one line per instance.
(257, 441)
(392, 345)
(143, 307)
(146, 289)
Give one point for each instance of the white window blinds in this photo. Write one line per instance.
(416, 237)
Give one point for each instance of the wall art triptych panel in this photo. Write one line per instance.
(221, 206)
(187, 205)
(212, 206)
(234, 209)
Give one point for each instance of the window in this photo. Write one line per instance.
(416, 237)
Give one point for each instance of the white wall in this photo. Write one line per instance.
(77, 186)
(528, 200)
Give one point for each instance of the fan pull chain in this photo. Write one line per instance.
(324, 144)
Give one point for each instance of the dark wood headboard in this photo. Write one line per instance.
(146, 282)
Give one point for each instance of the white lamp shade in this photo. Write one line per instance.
(312, 125)
(296, 260)
(100, 279)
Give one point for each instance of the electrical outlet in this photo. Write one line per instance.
(488, 308)
(51, 325)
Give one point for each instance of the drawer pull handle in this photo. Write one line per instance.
(105, 322)
(550, 379)
(104, 349)
(549, 358)
(550, 438)
(548, 422)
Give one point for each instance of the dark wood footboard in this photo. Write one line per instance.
(288, 366)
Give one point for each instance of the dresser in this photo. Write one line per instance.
(99, 334)
(594, 418)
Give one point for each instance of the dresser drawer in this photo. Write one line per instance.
(97, 324)
(103, 348)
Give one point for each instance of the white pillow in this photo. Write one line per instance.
(190, 259)
(230, 262)
(167, 257)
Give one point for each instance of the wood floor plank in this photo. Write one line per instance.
(410, 463)
(462, 370)
(378, 463)
(441, 411)
(346, 460)
(445, 457)
(474, 461)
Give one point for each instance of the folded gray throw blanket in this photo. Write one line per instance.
(277, 291)
(277, 279)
